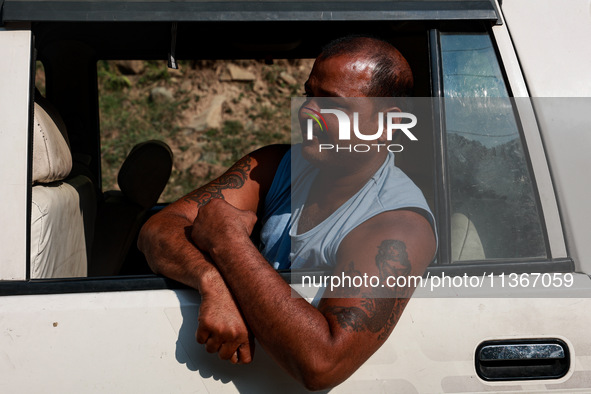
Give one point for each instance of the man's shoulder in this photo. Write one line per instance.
(408, 225)
(270, 153)
(264, 163)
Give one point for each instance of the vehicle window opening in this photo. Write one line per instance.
(209, 112)
(143, 100)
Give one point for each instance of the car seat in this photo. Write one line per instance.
(62, 211)
(121, 213)
(465, 241)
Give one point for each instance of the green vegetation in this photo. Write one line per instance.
(254, 114)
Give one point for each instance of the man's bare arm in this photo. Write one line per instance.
(321, 347)
(165, 240)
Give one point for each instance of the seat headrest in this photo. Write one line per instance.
(145, 172)
(53, 113)
(52, 160)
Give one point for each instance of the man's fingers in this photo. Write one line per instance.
(222, 330)
(202, 334)
(246, 353)
(243, 354)
(212, 345)
(227, 351)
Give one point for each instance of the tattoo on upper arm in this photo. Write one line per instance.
(349, 291)
(392, 259)
(234, 178)
(381, 306)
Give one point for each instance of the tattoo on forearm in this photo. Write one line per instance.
(381, 307)
(397, 309)
(376, 315)
(234, 178)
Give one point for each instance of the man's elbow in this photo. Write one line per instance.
(318, 382)
(322, 375)
(147, 239)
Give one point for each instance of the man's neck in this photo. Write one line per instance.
(349, 181)
(334, 187)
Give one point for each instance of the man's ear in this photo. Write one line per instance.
(383, 139)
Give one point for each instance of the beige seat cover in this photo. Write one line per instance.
(58, 247)
(465, 242)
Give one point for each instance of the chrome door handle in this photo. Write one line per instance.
(522, 359)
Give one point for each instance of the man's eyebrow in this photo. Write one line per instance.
(327, 93)
(320, 92)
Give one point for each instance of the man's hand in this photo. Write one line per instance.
(219, 224)
(222, 328)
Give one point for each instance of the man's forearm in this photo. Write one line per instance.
(165, 242)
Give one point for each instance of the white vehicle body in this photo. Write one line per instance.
(128, 335)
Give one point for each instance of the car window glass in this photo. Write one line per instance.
(494, 212)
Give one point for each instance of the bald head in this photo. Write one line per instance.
(391, 75)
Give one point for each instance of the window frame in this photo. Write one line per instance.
(247, 10)
(554, 262)
(444, 139)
